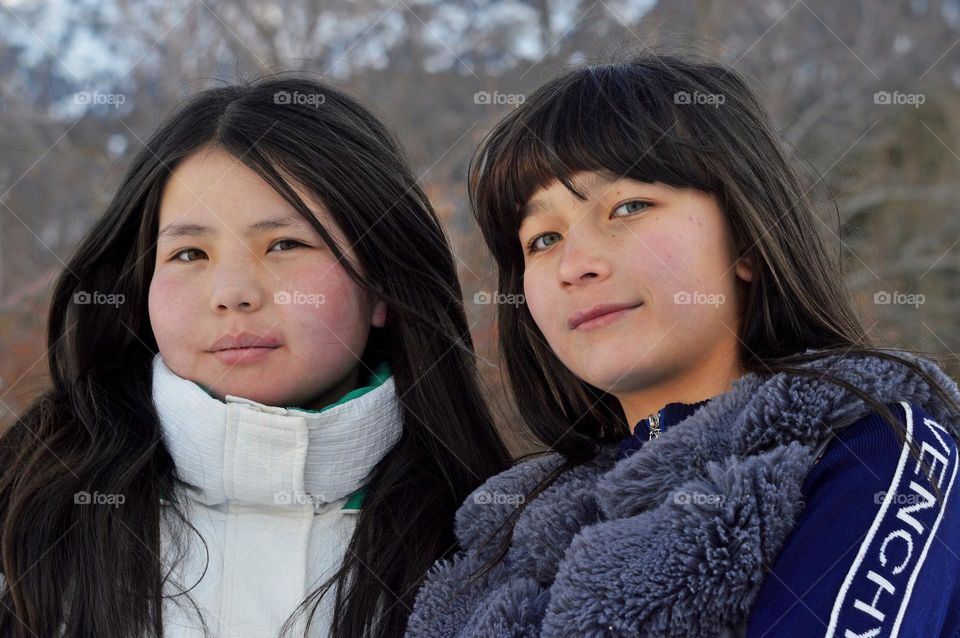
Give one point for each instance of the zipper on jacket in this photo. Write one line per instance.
(654, 421)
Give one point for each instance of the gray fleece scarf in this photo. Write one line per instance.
(670, 541)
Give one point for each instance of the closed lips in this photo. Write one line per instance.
(582, 316)
(245, 340)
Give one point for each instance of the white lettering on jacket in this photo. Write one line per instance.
(874, 595)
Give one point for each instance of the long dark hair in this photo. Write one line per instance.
(689, 123)
(98, 571)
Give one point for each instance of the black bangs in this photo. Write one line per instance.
(622, 120)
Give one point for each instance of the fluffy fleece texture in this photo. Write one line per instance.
(670, 541)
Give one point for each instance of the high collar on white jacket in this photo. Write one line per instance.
(241, 450)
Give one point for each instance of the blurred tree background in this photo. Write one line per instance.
(885, 171)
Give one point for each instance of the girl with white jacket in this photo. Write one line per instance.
(264, 408)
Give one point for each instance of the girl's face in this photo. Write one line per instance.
(635, 289)
(238, 266)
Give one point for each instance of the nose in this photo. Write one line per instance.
(581, 260)
(238, 292)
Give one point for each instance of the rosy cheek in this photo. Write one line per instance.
(536, 296)
(343, 300)
(169, 301)
(328, 303)
(161, 285)
(669, 267)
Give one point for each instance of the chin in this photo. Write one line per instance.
(614, 378)
(271, 399)
(233, 387)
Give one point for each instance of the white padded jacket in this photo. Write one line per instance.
(275, 500)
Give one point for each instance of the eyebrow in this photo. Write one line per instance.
(532, 208)
(535, 206)
(199, 230)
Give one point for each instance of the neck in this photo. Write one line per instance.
(348, 383)
(704, 381)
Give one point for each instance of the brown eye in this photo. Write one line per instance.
(285, 241)
(185, 251)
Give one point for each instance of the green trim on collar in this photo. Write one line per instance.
(355, 503)
(377, 378)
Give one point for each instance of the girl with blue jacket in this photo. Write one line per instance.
(732, 454)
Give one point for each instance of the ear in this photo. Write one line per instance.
(378, 318)
(744, 268)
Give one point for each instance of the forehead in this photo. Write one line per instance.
(211, 181)
(212, 189)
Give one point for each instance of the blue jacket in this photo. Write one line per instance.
(784, 507)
